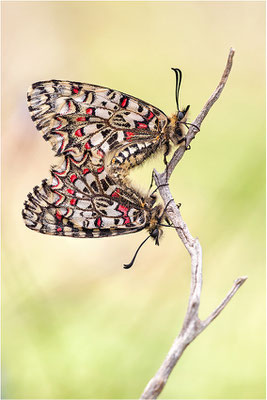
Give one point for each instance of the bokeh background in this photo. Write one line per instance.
(74, 323)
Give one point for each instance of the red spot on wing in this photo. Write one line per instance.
(78, 133)
(116, 193)
(151, 115)
(87, 146)
(71, 191)
(129, 135)
(81, 119)
(141, 125)
(100, 153)
(124, 102)
(89, 111)
(124, 210)
(59, 229)
(100, 169)
(73, 177)
(86, 170)
(73, 202)
(75, 90)
(58, 215)
(99, 222)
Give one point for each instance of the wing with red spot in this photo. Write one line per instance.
(77, 117)
(81, 200)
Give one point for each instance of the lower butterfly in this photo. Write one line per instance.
(81, 200)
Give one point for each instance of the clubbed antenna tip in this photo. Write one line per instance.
(127, 266)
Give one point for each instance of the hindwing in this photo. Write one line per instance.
(81, 200)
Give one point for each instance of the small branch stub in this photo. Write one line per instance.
(192, 325)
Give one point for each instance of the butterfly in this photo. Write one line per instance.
(99, 134)
(81, 200)
(77, 118)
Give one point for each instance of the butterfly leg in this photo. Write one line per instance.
(152, 181)
(166, 152)
(163, 184)
(168, 221)
(178, 205)
(187, 147)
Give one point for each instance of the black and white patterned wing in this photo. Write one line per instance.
(77, 117)
(81, 200)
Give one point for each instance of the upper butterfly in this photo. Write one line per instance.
(78, 117)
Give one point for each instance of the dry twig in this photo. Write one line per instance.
(192, 325)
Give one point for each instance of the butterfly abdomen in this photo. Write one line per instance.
(132, 155)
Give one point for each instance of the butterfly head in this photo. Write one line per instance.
(182, 115)
(177, 126)
(154, 229)
(156, 215)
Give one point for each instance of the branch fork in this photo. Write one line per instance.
(192, 325)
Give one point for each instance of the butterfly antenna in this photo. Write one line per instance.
(178, 74)
(127, 266)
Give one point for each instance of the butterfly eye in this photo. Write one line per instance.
(180, 115)
(154, 233)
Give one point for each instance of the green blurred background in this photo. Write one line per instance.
(74, 323)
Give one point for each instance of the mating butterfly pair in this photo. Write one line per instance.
(99, 134)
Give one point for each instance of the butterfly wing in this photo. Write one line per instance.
(81, 200)
(77, 117)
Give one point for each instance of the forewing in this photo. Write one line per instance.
(77, 117)
(81, 200)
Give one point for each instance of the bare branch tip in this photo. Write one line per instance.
(230, 57)
(239, 281)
